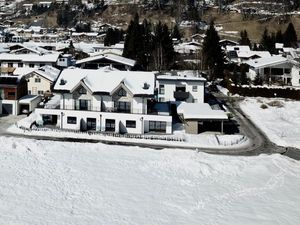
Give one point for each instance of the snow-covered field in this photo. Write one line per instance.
(43, 182)
(280, 124)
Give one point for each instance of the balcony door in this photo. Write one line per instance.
(83, 104)
(122, 106)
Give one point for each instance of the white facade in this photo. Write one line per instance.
(295, 76)
(38, 85)
(101, 118)
(170, 86)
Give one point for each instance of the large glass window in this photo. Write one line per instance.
(157, 126)
(123, 106)
(110, 125)
(91, 123)
(83, 104)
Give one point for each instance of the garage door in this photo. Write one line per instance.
(7, 108)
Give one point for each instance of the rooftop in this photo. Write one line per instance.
(200, 111)
(106, 81)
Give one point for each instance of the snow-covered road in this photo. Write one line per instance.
(44, 182)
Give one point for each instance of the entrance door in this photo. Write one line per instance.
(34, 90)
(91, 124)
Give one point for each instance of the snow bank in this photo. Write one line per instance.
(179, 139)
(43, 182)
(280, 124)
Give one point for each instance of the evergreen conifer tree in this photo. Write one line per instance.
(176, 33)
(213, 56)
(290, 36)
(244, 38)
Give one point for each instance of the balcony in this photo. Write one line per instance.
(181, 95)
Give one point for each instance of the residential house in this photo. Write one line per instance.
(185, 93)
(180, 88)
(226, 42)
(275, 69)
(30, 60)
(11, 90)
(41, 80)
(97, 61)
(105, 101)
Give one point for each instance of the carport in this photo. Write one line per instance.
(200, 117)
(28, 103)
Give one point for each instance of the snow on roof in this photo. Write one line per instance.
(107, 69)
(106, 81)
(227, 40)
(111, 57)
(200, 111)
(28, 99)
(180, 78)
(90, 34)
(278, 45)
(249, 54)
(238, 48)
(30, 57)
(49, 72)
(187, 47)
(267, 61)
(23, 70)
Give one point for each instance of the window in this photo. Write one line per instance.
(123, 106)
(40, 92)
(130, 123)
(31, 65)
(20, 64)
(82, 90)
(195, 88)
(109, 125)
(286, 70)
(61, 59)
(161, 99)
(122, 92)
(83, 104)
(266, 70)
(161, 89)
(157, 126)
(10, 64)
(71, 120)
(11, 94)
(37, 80)
(91, 123)
(42, 64)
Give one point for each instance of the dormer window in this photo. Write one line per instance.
(82, 90)
(122, 92)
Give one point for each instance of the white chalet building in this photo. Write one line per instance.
(180, 88)
(105, 101)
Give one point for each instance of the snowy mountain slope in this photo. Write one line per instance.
(43, 182)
